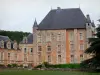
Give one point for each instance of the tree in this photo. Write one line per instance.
(14, 35)
(94, 51)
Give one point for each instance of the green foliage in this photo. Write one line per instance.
(14, 35)
(72, 66)
(94, 50)
(9, 65)
(14, 65)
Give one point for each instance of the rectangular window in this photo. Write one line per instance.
(71, 36)
(71, 46)
(49, 48)
(39, 48)
(59, 58)
(31, 50)
(8, 54)
(81, 47)
(24, 50)
(59, 37)
(48, 37)
(49, 58)
(59, 48)
(2, 56)
(15, 56)
(72, 59)
(39, 58)
(2, 44)
(81, 36)
(81, 58)
(39, 38)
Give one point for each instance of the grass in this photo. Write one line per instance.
(27, 72)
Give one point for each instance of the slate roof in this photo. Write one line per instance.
(4, 38)
(63, 19)
(29, 39)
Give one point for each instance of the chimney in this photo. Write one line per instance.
(58, 8)
(88, 18)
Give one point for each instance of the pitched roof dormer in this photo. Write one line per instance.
(1, 44)
(8, 44)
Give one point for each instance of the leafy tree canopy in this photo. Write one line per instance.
(14, 35)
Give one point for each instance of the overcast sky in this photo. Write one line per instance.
(19, 15)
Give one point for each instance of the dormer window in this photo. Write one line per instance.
(9, 45)
(2, 44)
(25, 40)
(15, 46)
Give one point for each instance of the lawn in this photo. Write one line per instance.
(26, 72)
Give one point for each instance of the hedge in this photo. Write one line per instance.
(73, 66)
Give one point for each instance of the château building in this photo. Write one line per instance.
(62, 36)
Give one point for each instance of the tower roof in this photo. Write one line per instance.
(35, 23)
(64, 19)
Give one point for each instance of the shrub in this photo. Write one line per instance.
(9, 65)
(72, 66)
(14, 65)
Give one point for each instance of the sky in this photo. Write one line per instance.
(19, 15)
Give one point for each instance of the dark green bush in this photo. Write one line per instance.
(72, 66)
(14, 65)
(39, 66)
(9, 65)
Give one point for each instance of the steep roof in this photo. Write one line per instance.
(4, 38)
(30, 39)
(63, 19)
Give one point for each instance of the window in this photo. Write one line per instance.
(39, 48)
(8, 55)
(53, 36)
(15, 56)
(24, 50)
(39, 58)
(72, 58)
(25, 40)
(81, 58)
(81, 36)
(39, 38)
(31, 50)
(81, 47)
(71, 36)
(48, 37)
(15, 45)
(2, 55)
(49, 58)
(71, 46)
(59, 48)
(59, 37)
(49, 48)
(9, 45)
(2, 44)
(59, 58)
